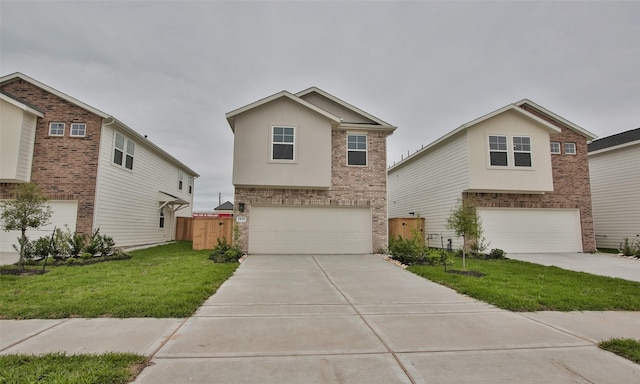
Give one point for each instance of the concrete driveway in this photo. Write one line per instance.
(604, 264)
(346, 319)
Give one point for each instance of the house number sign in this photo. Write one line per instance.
(241, 219)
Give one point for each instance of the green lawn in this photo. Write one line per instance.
(113, 368)
(521, 286)
(165, 281)
(627, 348)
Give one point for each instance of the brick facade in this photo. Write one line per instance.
(571, 185)
(350, 186)
(65, 168)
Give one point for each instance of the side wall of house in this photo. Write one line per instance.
(350, 186)
(615, 189)
(127, 206)
(64, 167)
(430, 186)
(571, 186)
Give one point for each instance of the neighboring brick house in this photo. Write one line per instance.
(96, 171)
(309, 175)
(614, 168)
(523, 167)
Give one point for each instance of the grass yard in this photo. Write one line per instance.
(113, 368)
(521, 286)
(165, 281)
(627, 348)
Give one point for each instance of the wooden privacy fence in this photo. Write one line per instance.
(204, 231)
(403, 226)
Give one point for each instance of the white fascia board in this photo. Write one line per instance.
(231, 115)
(344, 104)
(619, 146)
(54, 91)
(20, 105)
(144, 141)
(366, 127)
(575, 127)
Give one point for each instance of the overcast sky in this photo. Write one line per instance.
(172, 69)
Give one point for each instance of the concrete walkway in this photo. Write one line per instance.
(603, 264)
(346, 319)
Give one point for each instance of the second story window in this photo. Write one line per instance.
(78, 130)
(56, 129)
(282, 143)
(123, 149)
(356, 149)
(569, 148)
(555, 147)
(180, 178)
(522, 151)
(190, 185)
(498, 151)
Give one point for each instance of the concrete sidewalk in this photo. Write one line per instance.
(351, 319)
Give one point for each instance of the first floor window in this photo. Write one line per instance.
(570, 148)
(123, 150)
(522, 151)
(555, 147)
(56, 129)
(498, 151)
(161, 225)
(356, 150)
(283, 141)
(78, 129)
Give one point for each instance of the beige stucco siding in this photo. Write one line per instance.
(615, 186)
(347, 115)
(252, 164)
(484, 177)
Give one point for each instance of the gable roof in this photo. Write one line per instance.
(226, 206)
(516, 107)
(21, 104)
(97, 112)
(298, 98)
(619, 139)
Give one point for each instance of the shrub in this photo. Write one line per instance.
(225, 253)
(497, 253)
(76, 244)
(94, 243)
(60, 247)
(627, 248)
(41, 248)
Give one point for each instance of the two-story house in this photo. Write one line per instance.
(614, 168)
(309, 172)
(96, 171)
(523, 167)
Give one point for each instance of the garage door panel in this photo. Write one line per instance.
(532, 230)
(308, 230)
(64, 213)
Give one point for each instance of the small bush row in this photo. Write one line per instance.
(67, 245)
(225, 253)
(630, 248)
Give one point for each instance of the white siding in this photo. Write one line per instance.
(430, 186)
(16, 143)
(64, 213)
(25, 154)
(127, 201)
(615, 194)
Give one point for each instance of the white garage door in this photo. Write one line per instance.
(517, 230)
(64, 212)
(309, 230)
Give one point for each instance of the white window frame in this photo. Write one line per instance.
(57, 124)
(190, 180)
(570, 152)
(365, 150)
(522, 150)
(126, 152)
(292, 144)
(161, 219)
(557, 145)
(180, 178)
(498, 150)
(77, 127)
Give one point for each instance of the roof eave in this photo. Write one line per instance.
(575, 127)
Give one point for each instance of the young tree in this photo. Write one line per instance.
(29, 209)
(465, 222)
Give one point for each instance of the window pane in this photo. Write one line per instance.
(117, 156)
(119, 142)
(130, 147)
(357, 158)
(288, 131)
(278, 130)
(570, 148)
(522, 159)
(129, 162)
(522, 144)
(555, 147)
(498, 158)
(78, 129)
(498, 143)
(282, 152)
